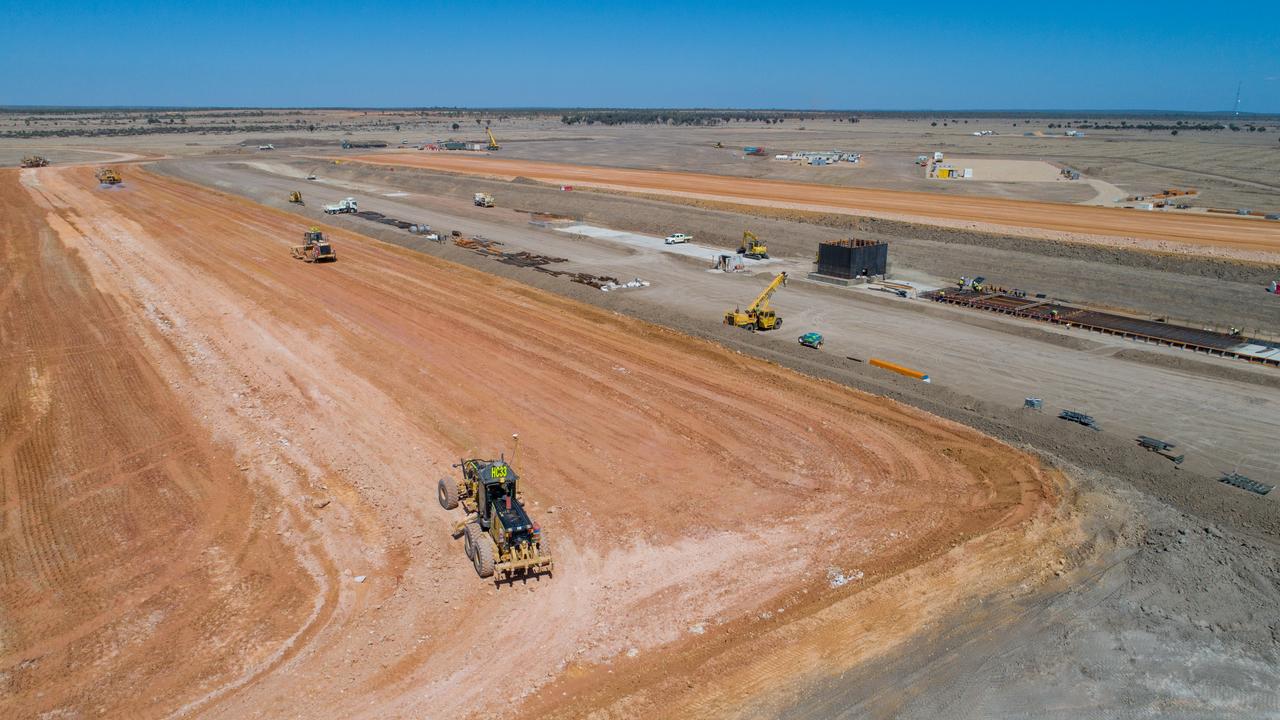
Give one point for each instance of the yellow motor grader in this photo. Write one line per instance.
(498, 536)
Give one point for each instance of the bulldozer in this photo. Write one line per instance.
(34, 161)
(752, 247)
(498, 536)
(108, 176)
(315, 248)
(758, 315)
(296, 197)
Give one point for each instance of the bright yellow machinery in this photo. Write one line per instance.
(758, 315)
(498, 536)
(752, 247)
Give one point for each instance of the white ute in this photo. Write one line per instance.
(677, 239)
(348, 205)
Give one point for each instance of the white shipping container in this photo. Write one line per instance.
(968, 172)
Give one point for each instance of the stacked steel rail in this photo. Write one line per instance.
(1153, 331)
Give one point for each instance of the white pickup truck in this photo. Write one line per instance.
(678, 239)
(348, 205)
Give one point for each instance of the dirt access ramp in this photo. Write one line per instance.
(1221, 236)
(687, 490)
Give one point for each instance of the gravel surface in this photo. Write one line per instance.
(1201, 234)
(1174, 618)
(1209, 291)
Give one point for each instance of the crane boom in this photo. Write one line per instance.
(762, 300)
(493, 142)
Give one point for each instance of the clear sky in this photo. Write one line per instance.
(1034, 54)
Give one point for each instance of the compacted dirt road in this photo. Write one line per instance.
(219, 469)
(1247, 238)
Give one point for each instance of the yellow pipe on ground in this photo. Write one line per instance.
(899, 369)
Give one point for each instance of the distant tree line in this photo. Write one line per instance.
(692, 117)
(148, 129)
(1125, 125)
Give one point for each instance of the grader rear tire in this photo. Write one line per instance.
(448, 492)
(483, 561)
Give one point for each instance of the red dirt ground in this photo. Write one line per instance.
(188, 398)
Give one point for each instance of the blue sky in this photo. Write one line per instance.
(810, 55)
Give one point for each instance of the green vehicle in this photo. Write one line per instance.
(812, 339)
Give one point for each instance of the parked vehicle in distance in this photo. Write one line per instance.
(812, 340)
(677, 239)
(348, 205)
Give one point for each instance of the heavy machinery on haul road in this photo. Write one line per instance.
(108, 176)
(34, 161)
(758, 315)
(498, 536)
(344, 207)
(483, 200)
(315, 249)
(296, 197)
(752, 247)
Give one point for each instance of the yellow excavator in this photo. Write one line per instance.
(296, 197)
(752, 247)
(493, 141)
(758, 315)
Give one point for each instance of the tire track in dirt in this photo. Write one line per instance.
(112, 499)
(359, 382)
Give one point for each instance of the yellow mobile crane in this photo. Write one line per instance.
(752, 247)
(758, 315)
(493, 142)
